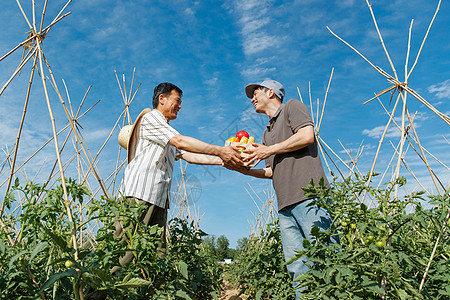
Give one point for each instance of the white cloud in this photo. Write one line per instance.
(189, 11)
(211, 82)
(377, 132)
(257, 72)
(442, 90)
(97, 134)
(251, 25)
(254, 19)
(257, 43)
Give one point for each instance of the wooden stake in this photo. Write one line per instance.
(424, 39)
(55, 138)
(444, 226)
(325, 101)
(16, 147)
(381, 39)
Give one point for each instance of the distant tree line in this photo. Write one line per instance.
(219, 247)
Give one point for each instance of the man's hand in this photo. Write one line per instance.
(239, 168)
(265, 173)
(259, 153)
(230, 156)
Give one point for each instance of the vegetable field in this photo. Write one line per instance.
(396, 250)
(57, 233)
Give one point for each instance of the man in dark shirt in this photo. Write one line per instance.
(290, 151)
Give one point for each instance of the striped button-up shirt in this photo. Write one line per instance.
(149, 174)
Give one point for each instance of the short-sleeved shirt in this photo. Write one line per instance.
(293, 170)
(148, 175)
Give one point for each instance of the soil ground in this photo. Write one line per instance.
(230, 293)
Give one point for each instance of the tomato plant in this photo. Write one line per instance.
(259, 269)
(43, 262)
(388, 250)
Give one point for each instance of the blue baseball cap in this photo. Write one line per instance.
(277, 87)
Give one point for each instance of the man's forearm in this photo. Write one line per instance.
(302, 138)
(200, 159)
(265, 173)
(191, 144)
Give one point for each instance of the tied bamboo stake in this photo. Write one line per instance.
(20, 128)
(325, 100)
(13, 163)
(72, 123)
(381, 39)
(444, 226)
(55, 138)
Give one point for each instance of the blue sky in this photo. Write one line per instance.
(212, 50)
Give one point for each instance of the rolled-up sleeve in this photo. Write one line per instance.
(156, 129)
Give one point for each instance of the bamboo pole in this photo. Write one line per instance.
(82, 102)
(43, 16)
(414, 175)
(402, 143)
(33, 8)
(381, 93)
(72, 124)
(16, 147)
(45, 144)
(408, 50)
(380, 143)
(24, 15)
(381, 39)
(396, 82)
(57, 18)
(423, 154)
(325, 100)
(444, 226)
(29, 38)
(424, 39)
(310, 101)
(34, 36)
(18, 69)
(68, 100)
(354, 49)
(324, 151)
(404, 86)
(299, 94)
(415, 138)
(324, 157)
(55, 138)
(337, 156)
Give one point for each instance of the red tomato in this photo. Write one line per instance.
(242, 133)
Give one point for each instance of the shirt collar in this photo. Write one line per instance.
(275, 116)
(159, 115)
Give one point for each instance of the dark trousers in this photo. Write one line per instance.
(153, 215)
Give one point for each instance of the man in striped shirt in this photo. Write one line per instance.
(152, 150)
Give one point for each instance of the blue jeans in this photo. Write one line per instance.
(296, 222)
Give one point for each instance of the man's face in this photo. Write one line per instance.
(260, 99)
(172, 104)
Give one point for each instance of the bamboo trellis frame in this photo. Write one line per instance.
(33, 53)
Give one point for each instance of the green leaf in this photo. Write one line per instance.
(403, 294)
(15, 257)
(258, 294)
(57, 276)
(2, 247)
(183, 295)
(41, 246)
(182, 267)
(315, 231)
(134, 282)
(58, 240)
(373, 287)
